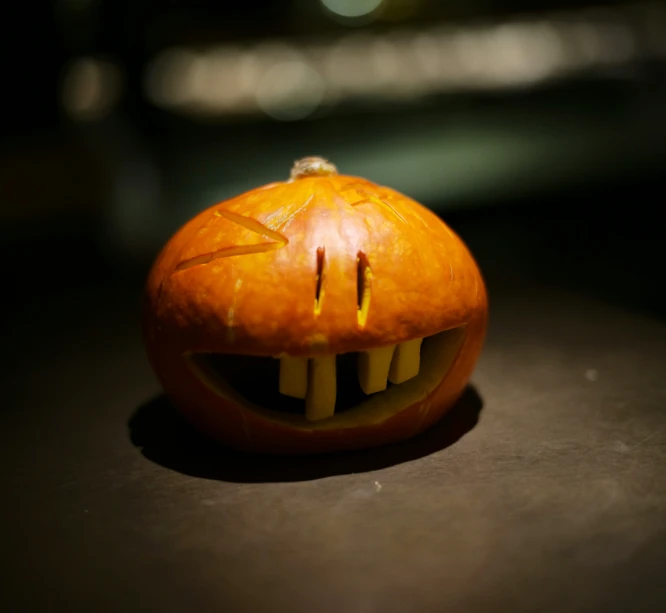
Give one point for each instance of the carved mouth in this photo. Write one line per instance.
(330, 389)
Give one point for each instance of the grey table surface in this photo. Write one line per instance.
(544, 490)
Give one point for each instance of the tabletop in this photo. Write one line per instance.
(543, 490)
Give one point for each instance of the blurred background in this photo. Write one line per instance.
(527, 125)
(536, 129)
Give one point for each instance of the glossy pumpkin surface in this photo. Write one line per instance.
(318, 266)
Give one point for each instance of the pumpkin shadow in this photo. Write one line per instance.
(166, 439)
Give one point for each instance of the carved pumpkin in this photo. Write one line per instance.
(316, 314)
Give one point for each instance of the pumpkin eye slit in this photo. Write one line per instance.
(319, 284)
(363, 288)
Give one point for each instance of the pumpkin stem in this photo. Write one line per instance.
(312, 167)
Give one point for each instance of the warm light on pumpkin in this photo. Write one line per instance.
(320, 313)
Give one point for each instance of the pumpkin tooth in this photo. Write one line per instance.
(294, 376)
(320, 398)
(406, 361)
(373, 368)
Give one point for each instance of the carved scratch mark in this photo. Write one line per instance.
(450, 232)
(254, 226)
(227, 252)
(249, 224)
(231, 312)
(374, 200)
(367, 197)
(279, 218)
(356, 186)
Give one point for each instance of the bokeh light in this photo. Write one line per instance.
(90, 89)
(290, 91)
(352, 8)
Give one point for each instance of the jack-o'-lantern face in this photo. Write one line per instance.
(316, 314)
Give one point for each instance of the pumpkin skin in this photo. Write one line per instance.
(275, 272)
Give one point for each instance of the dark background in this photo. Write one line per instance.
(536, 130)
(474, 108)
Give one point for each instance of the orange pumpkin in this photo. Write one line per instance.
(317, 314)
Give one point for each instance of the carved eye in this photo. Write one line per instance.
(364, 287)
(319, 280)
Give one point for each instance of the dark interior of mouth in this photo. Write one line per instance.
(257, 380)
